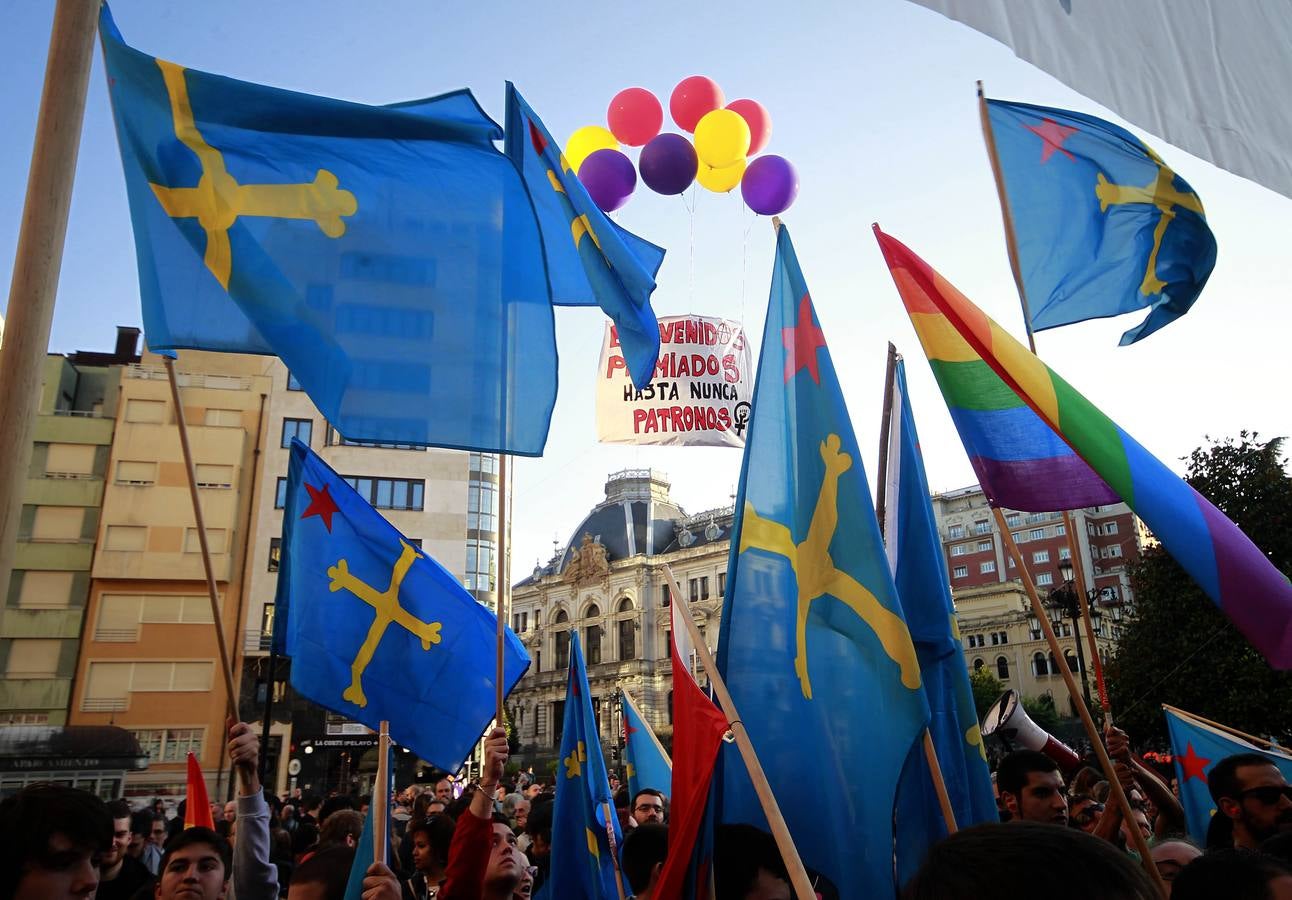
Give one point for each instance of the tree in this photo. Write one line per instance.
(987, 689)
(1042, 712)
(1178, 648)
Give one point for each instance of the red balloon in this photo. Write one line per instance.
(692, 98)
(759, 119)
(635, 116)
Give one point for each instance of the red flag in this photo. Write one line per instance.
(197, 811)
(698, 728)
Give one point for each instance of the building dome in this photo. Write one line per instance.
(635, 519)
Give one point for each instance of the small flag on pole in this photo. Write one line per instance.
(647, 762)
(197, 808)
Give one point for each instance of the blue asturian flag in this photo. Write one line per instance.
(590, 259)
(1102, 225)
(923, 584)
(647, 763)
(819, 662)
(389, 255)
(376, 629)
(583, 866)
(1197, 747)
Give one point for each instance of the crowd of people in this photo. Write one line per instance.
(1060, 837)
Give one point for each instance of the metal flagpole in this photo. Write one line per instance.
(504, 579)
(39, 256)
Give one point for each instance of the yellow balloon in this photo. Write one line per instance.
(720, 181)
(587, 141)
(721, 138)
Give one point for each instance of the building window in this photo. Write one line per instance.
(960, 572)
(135, 472)
(170, 744)
(977, 664)
(592, 644)
(1018, 537)
(1002, 668)
(983, 527)
(33, 658)
(956, 531)
(1060, 530)
(627, 640)
(275, 553)
(481, 503)
(1110, 528)
(1044, 578)
(1038, 534)
(267, 620)
(1065, 553)
(58, 523)
(280, 494)
(704, 587)
(959, 550)
(1041, 556)
(209, 476)
(1012, 520)
(722, 584)
(45, 590)
(1071, 659)
(1114, 550)
(389, 493)
(484, 462)
(695, 590)
(665, 595)
(984, 546)
(988, 566)
(558, 721)
(562, 639)
(479, 565)
(297, 428)
(1039, 665)
(292, 383)
(995, 638)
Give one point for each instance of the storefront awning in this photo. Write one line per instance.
(45, 748)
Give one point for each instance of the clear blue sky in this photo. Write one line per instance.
(874, 103)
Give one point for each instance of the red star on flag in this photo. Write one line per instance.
(629, 730)
(321, 505)
(536, 138)
(802, 341)
(1052, 136)
(1193, 764)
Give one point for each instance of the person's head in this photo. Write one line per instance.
(1253, 794)
(525, 890)
(120, 812)
(436, 808)
(1054, 863)
(335, 804)
(310, 804)
(747, 865)
(1171, 856)
(444, 790)
(648, 807)
(217, 813)
(539, 829)
(342, 829)
(532, 790)
(1084, 813)
(1031, 787)
(431, 839)
(506, 863)
(1234, 874)
(643, 856)
(323, 876)
(231, 810)
(196, 865)
(51, 841)
(141, 822)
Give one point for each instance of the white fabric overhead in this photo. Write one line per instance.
(1210, 76)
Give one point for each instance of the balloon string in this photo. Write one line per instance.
(744, 264)
(690, 299)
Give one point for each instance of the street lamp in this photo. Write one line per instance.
(1064, 603)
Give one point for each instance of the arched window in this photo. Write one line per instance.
(1054, 665)
(592, 611)
(1039, 664)
(1071, 659)
(1002, 668)
(627, 639)
(592, 644)
(977, 664)
(670, 707)
(625, 605)
(561, 638)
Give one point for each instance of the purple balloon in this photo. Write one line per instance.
(668, 164)
(769, 185)
(609, 177)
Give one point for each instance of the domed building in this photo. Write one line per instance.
(609, 583)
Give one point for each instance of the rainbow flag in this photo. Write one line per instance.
(1003, 398)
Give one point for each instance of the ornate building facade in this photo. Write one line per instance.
(609, 584)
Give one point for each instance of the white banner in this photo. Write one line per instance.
(699, 396)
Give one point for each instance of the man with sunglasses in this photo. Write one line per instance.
(1252, 793)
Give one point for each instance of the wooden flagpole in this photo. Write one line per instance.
(1079, 578)
(502, 588)
(1092, 731)
(803, 889)
(1250, 738)
(230, 688)
(885, 436)
(39, 256)
(1010, 241)
(609, 811)
(380, 805)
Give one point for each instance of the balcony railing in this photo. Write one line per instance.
(255, 641)
(116, 635)
(79, 413)
(190, 379)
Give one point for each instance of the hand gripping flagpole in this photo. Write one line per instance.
(803, 889)
(885, 434)
(1106, 764)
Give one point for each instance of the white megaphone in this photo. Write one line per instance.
(1007, 719)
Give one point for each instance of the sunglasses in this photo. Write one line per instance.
(1268, 795)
